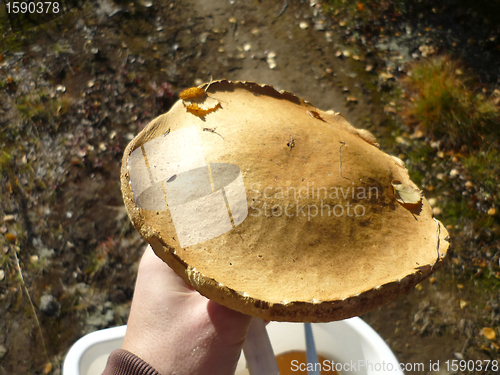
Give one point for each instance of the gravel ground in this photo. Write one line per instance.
(75, 91)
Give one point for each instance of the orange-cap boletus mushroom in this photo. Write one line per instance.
(277, 209)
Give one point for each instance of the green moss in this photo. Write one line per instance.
(42, 110)
(484, 168)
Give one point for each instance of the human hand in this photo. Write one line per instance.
(177, 330)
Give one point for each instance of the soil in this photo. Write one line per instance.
(76, 90)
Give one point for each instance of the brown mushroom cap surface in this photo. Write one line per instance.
(319, 229)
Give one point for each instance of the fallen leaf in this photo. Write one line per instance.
(10, 237)
(48, 368)
(8, 219)
(406, 194)
(489, 333)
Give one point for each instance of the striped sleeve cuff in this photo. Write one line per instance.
(122, 362)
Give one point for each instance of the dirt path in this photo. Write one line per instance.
(255, 31)
(112, 65)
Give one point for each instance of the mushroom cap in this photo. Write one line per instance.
(277, 209)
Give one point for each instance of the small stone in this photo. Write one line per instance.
(49, 305)
(352, 99)
(3, 351)
(8, 218)
(346, 53)
(492, 211)
(432, 280)
(436, 211)
(96, 321)
(426, 50)
(45, 253)
(303, 25)
(432, 201)
(319, 25)
(338, 54)
(203, 37)
(440, 176)
(247, 47)
(401, 140)
(469, 185)
(271, 60)
(454, 173)
(418, 134)
(440, 154)
(386, 76)
(2, 274)
(369, 68)
(109, 317)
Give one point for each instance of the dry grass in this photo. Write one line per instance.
(445, 103)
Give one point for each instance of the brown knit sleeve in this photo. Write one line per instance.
(121, 362)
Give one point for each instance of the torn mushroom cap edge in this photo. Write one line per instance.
(317, 311)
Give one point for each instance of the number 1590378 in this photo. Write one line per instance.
(32, 7)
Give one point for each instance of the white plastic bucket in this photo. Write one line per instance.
(351, 343)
